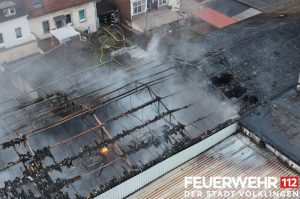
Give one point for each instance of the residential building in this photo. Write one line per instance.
(47, 15)
(144, 15)
(16, 39)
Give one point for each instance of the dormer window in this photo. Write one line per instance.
(36, 4)
(9, 12)
(8, 8)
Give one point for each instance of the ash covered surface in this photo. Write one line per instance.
(265, 5)
(278, 124)
(261, 54)
(256, 63)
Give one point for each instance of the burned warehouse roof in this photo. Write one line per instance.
(90, 131)
(109, 127)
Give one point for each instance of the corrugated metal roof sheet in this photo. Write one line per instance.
(235, 156)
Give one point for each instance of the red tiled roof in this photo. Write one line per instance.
(215, 18)
(49, 6)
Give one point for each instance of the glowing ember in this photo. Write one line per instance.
(104, 150)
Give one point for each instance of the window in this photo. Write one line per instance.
(162, 2)
(82, 15)
(68, 19)
(59, 24)
(1, 39)
(46, 26)
(139, 6)
(36, 4)
(60, 21)
(18, 33)
(9, 11)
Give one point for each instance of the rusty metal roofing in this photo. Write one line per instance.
(235, 156)
(215, 18)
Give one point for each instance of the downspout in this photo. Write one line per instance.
(96, 14)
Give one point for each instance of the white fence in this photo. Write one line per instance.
(135, 183)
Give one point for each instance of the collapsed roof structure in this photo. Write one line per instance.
(91, 131)
(110, 126)
(256, 61)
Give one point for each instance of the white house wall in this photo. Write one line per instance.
(131, 7)
(7, 29)
(18, 52)
(175, 3)
(91, 21)
(15, 48)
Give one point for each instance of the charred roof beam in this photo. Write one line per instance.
(94, 108)
(119, 116)
(88, 149)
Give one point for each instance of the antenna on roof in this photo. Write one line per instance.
(298, 85)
